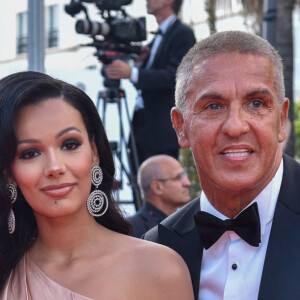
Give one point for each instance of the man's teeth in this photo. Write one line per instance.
(236, 154)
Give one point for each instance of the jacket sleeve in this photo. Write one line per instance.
(161, 75)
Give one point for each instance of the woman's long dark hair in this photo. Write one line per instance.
(17, 91)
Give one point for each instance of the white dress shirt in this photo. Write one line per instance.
(231, 269)
(134, 76)
(163, 27)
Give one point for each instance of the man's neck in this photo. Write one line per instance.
(231, 202)
(160, 17)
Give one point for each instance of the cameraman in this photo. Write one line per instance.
(154, 78)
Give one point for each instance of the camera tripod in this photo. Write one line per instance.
(115, 95)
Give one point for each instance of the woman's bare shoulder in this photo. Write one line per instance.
(157, 269)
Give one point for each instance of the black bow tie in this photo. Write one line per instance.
(159, 31)
(246, 225)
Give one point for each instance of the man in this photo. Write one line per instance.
(230, 109)
(155, 81)
(165, 188)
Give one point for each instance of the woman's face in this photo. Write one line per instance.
(54, 158)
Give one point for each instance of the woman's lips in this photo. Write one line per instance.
(59, 190)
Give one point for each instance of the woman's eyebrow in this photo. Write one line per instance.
(67, 130)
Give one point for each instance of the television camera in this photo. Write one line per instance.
(120, 33)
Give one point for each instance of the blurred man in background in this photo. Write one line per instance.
(165, 188)
(154, 79)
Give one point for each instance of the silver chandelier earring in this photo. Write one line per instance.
(12, 194)
(97, 202)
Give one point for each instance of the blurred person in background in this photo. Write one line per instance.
(154, 78)
(164, 186)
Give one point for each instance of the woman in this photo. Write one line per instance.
(61, 236)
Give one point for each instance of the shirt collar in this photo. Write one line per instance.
(154, 210)
(167, 23)
(266, 201)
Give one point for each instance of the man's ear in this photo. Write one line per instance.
(284, 127)
(179, 126)
(96, 160)
(156, 187)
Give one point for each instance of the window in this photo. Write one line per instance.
(22, 36)
(51, 22)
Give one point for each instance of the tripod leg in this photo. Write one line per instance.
(131, 174)
(132, 138)
(114, 95)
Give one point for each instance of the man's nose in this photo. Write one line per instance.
(185, 181)
(236, 122)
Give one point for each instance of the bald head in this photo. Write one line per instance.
(163, 182)
(152, 169)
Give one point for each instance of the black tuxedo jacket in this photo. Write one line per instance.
(152, 125)
(281, 272)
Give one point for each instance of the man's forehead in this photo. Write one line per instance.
(173, 167)
(205, 62)
(231, 66)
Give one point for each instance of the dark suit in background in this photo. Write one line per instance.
(145, 219)
(164, 187)
(152, 125)
(281, 273)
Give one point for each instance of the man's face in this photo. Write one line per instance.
(175, 186)
(155, 6)
(233, 123)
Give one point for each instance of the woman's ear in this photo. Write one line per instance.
(95, 155)
(8, 177)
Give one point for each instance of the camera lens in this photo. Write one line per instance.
(92, 28)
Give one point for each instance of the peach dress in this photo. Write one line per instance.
(28, 282)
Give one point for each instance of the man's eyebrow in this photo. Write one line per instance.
(210, 96)
(219, 97)
(257, 92)
(66, 130)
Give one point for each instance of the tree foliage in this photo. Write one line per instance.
(187, 160)
(297, 128)
(253, 13)
(285, 46)
(210, 8)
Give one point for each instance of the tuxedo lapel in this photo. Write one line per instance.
(144, 63)
(166, 37)
(281, 272)
(183, 237)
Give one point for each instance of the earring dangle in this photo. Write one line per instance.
(97, 202)
(12, 194)
(11, 222)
